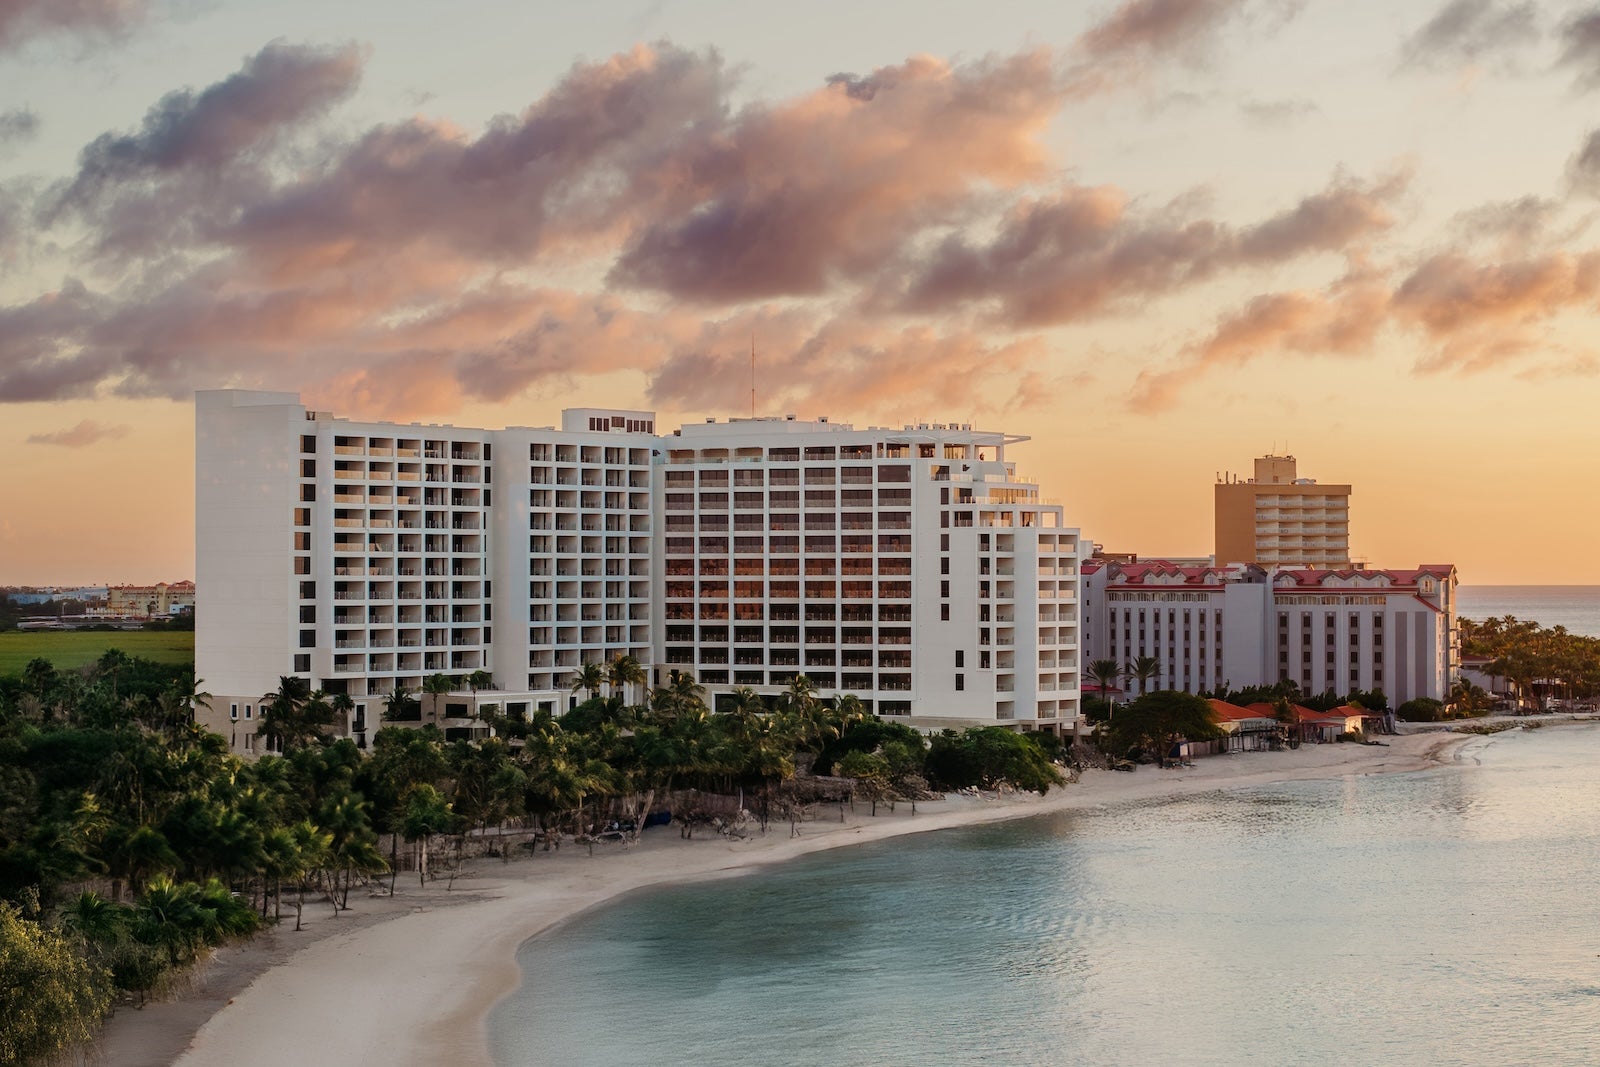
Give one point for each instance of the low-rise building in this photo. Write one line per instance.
(150, 601)
(1231, 627)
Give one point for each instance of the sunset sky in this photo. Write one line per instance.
(1161, 237)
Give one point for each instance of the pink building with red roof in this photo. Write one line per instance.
(1242, 625)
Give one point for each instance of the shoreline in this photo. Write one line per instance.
(414, 978)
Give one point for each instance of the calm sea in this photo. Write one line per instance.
(1577, 607)
(1445, 917)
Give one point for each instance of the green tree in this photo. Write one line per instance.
(871, 773)
(1159, 720)
(50, 996)
(294, 716)
(589, 678)
(625, 671)
(426, 813)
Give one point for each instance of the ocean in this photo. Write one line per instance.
(1442, 917)
(1577, 607)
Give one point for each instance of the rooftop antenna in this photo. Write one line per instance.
(752, 374)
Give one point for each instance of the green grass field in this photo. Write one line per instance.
(70, 648)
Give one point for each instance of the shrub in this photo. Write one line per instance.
(1421, 709)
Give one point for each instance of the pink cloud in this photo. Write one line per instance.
(86, 433)
(24, 20)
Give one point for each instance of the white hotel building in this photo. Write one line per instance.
(1246, 625)
(912, 568)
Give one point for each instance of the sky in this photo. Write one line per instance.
(1160, 237)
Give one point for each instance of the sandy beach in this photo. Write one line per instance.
(411, 979)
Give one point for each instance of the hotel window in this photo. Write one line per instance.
(233, 711)
(961, 658)
(961, 682)
(247, 711)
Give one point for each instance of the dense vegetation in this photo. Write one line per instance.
(131, 840)
(1538, 664)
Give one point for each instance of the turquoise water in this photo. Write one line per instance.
(1446, 917)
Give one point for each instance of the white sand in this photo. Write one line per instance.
(417, 988)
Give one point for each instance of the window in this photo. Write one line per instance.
(944, 612)
(247, 711)
(944, 588)
(961, 682)
(944, 542)
(308, 493)
(302, 663)
(233, 711)
(308, 590)
(944, 565)
(308, 468)
(308, 444)
(308, 639)
(961, 658)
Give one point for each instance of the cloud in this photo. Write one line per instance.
(1466, 315)
(1138, 38)
(1081, 253)
(86, 433)
(192, 143)
(1479, 313)
(1141, 27)
(23, 20)
(1277, 113)
(1344, 320)
(830, 186)
(1470, 31)
(1583, 169)
(840, 363)
(17, 125)
(1580, 47)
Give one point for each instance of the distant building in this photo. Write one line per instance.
(1245, 625)
(1279, 519)
(151, 601)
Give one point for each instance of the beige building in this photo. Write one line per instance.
(150, 600)
(1280, 519)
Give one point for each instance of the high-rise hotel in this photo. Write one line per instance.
(912, 568)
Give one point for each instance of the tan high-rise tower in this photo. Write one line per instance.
(1278, 519)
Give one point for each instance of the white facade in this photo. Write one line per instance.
(1233, 627)
(911, 568)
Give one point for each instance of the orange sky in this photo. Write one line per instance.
(1161, 237)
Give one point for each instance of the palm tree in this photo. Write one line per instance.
(293, 715)
(341, 705)
(801, 694)
(436, 686)
(743, 714)
(589, 678)
(1105, 673)
(626, 671)
(1144, 670)
(397, 704)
